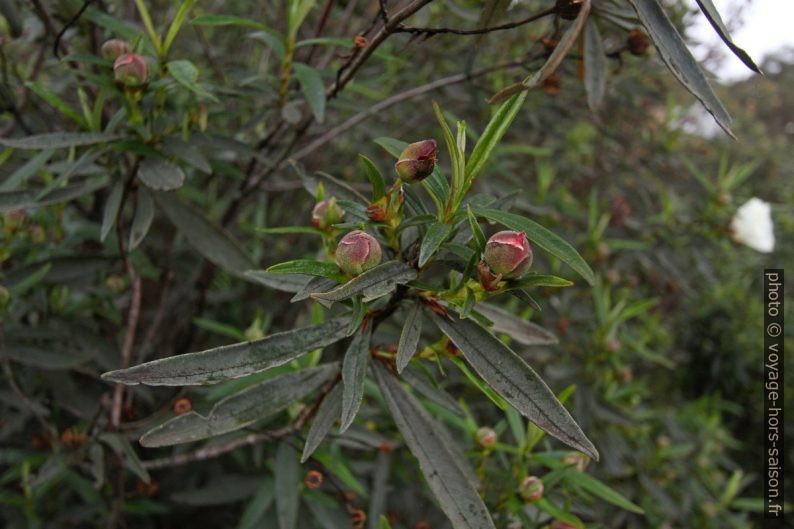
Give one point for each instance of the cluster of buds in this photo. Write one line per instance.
(327, 213)
(357, 252)
(531, 489)
(507, 255)
(485, 437)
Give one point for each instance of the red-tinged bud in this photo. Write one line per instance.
(568, 9)
(357, 252)
(508, 254)
(327, 213)
(577, 459)
(114, 48)
(358, 518)
(531, 488)
(131, 70)
(182, 405)
(485, 437)
(377, 210)
(488, 281)
(314, 479)
(417, 161)
(638, 42)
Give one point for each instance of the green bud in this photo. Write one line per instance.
(130, 70)
(357, 252)
(508, 254)
(327, 213)
(114, 48)
(486, 437)
(417, 161)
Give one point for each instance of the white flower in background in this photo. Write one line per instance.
(752, 225)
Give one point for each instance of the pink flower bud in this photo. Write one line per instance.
(114, 48)
(417, 161)
(577, 459)
(531, 488)
(357, 252)
(486, 437)
(508, 254)
(327, 213)
(130, 70)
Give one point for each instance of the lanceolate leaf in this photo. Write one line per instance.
(111, 210)
(493, 132)
(679, 60)
(374, 281)
(144, 213)
(313, 88)
(522, 331)
(308, 267)
(708, 9)
(542, 237)
(409, 337)
(232, 361)
(595, 65)
(283, 282)
(326, 416)
(26, 198)
(315, 284)
(209, 240)
(376, 179)
(287, 477)
(436, 234)
(514, 380)
(57, 140)
(242, 409)
(442, 463)
(354, 370)
(160, 175)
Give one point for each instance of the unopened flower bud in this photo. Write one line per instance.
(357, 252)
(114, 48)
(508, 254)
(314, 479)
(568, 9)
(417, 161)
(486, 437)
(327, 213)
(531, 488)
(577, 459)
(130, 70)
(637, 42)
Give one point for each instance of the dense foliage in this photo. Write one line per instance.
(233, 294)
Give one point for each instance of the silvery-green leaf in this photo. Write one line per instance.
(435, 235)
(595, 65)
(409, 337)
(324, 419)
(431, 392)
(679, 60)
(26, 198)
(376, 280)
(284, 282)
(57, 140)
(242, 409)
(354, 370)
(522, 331)
(212, 242)
(442, 462)
(314, 285)
(144, 214)
(160, 175)
(287, 479)
(111, 210)
(514, 380)
(232, 361)
(708, 9)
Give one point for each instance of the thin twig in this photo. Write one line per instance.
(480, 31)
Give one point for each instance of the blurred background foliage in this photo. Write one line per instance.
(659, 361)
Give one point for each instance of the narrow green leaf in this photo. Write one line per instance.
(144, 214)
(28, 169)
(442, 463)
(431, 392)
(26, 198)
(354, 370)
(538, 281)
(314, 285)
(284, 282)
(708, 9)
(409, 337)
(476, 230)
(384, 523)
(212, 242)
(372, 283)
(603, 491)
(515, 381)
(86, 158)
(146, 18)
(176, 24)
(456, 157)
(189, 152)
(375, 178)
(287, 479)
(290, 230)
(326, 416)
(435, 235)
(122, 447)
(595, 65)
(186, 74)
(308, 267)
(55, 101)
(549, 508)
(160, 175)
(227, 20)
(523, 331)
(242, 409)
(679, 60)
(493, 133)
(543, 238)
(232, 361)
(111, 210)
(379, 488)
(313, 88)
(258, 505)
